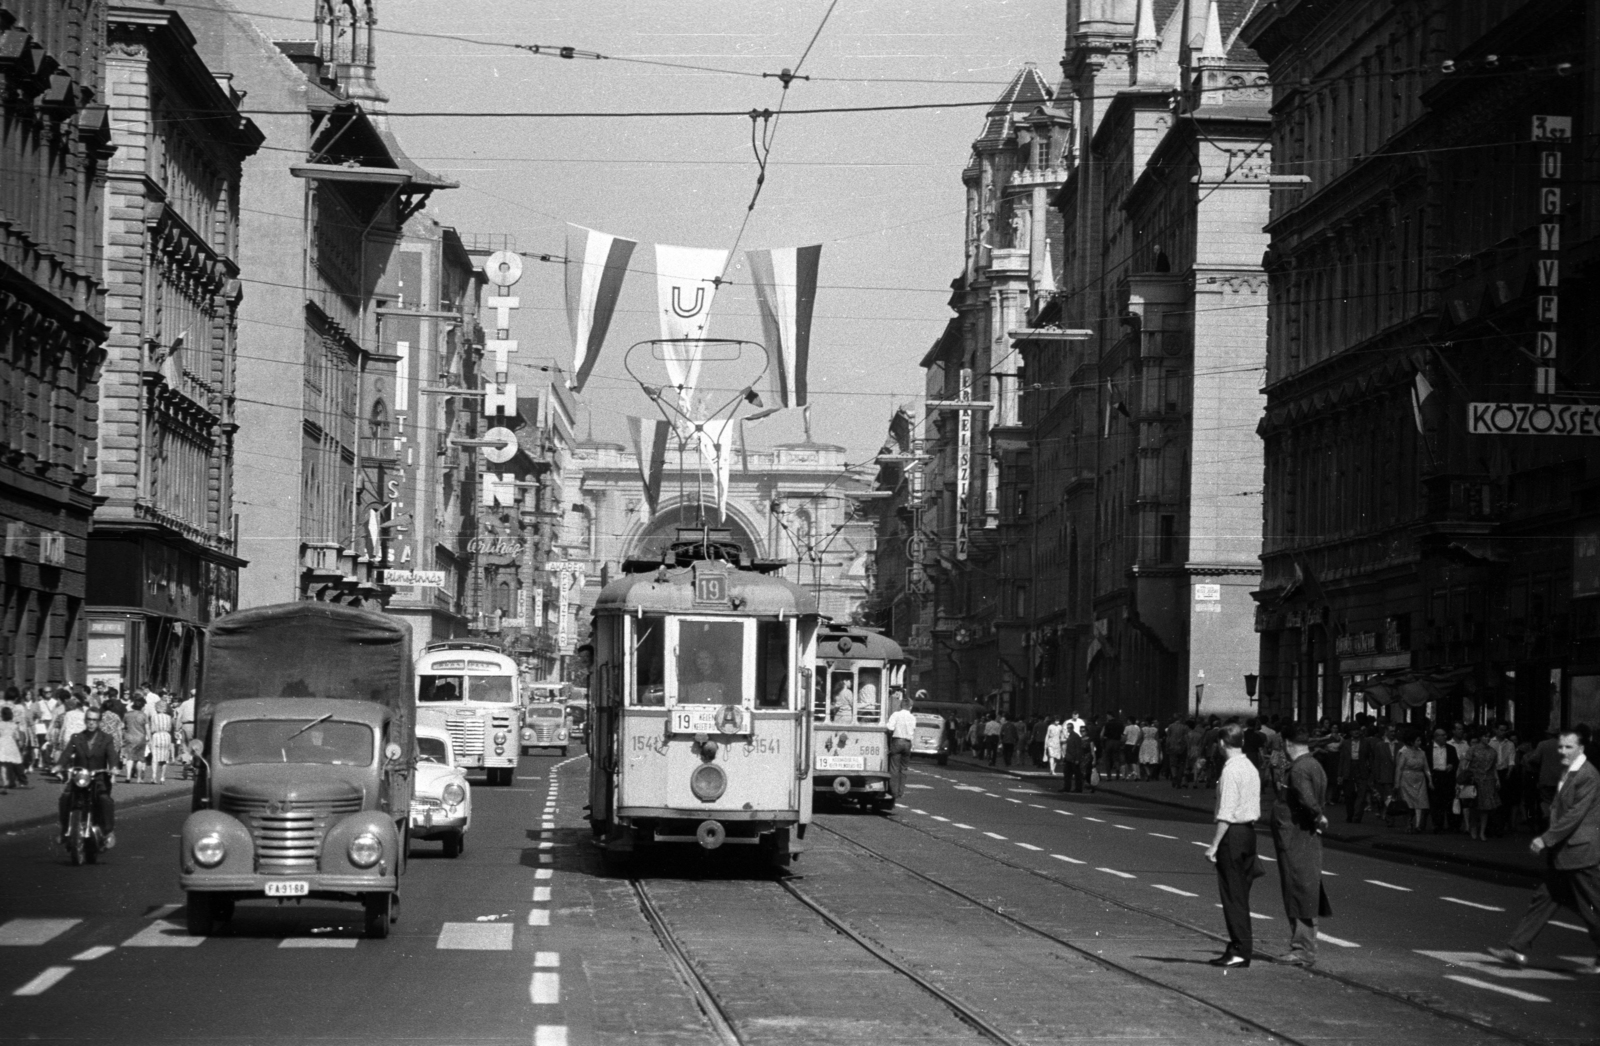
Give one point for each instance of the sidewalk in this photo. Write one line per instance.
(31, 807)
(1507, 855)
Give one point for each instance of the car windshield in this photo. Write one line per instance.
(433, 750)
(331, 742)
(545, 711)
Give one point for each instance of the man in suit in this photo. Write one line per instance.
(1355, 773)
(1442, 761)
(1384, 749)
(92, 748)
(1571, 847)
(1298, 820)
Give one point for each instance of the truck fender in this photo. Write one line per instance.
(335, 845)
(240, 849)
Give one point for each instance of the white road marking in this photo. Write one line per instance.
(41, 984)
(163, 911)
(1326, 872)
(544, 873)
(1174, 889)
(1194, 843)
(476, 937)
(1472, 904)
(995, 835)
(1253, 915)
(1066, 813)
(529, 778)
(1030, 846)
(1337, 942)
(538, 917)
(1011, 800)
(541, 893)
(968, 788)
(547, 845)
(968, 827)
(1113, 871)
(162, 934)
(318, 942)
(1514, 993)
(547, 826)
(913, 785)
(1038, 806)
(1096, 820)
(18, 932)
(1160, 835)
(547, 960)
(93, 953)
(946, 820)
(1069, 860)
(924, 813)
(1568, 926)
(1388, 886)
(1125, 827)
(1483, 962)
(550, 1035)
(545, 988)
(1264, 857)
(546, 859)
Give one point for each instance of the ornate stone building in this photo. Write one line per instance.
(54, 143)
(161, 556)
(1424, 556)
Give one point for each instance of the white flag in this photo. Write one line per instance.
(685, 284)
(716, 450)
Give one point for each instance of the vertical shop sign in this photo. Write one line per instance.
(964, 465)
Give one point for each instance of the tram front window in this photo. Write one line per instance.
(710, 662)
(649, 661)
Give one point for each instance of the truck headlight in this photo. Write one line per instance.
(561, 735)
(499, 737)
(527, 733)
(208, 850)
(453, 794)
(365, 850)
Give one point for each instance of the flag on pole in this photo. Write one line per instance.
(686, 281)
(596, 263)
(650, 449)
(786, 289)
(716, 448)
(1420, 392)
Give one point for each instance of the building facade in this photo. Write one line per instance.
(161, 555)
(1426, 556)
(54, 144)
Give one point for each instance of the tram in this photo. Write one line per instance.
(857, 668)
(698, 699)
(472, 689)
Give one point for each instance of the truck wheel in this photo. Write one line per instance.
(378, 913)
(199, 915)
(452, 844)
(563, 751)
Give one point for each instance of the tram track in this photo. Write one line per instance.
(1438, 1012)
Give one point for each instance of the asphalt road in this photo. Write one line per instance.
(523, 939)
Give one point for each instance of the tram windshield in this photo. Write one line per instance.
(710, 662)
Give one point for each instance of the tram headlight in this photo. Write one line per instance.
(209, 851)
(365, 850)
(708, 782)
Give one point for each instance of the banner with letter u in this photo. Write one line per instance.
(785, 279)
(686, 281)
(596, 264)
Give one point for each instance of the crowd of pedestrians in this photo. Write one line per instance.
(148, 730)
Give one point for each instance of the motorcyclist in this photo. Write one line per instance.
(91, 749)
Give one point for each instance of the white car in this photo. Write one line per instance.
(441, 802)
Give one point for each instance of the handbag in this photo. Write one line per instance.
(1466, 791)
(1094, 777)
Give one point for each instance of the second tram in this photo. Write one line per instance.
(474, 690)
(856, 670)
(700, 730)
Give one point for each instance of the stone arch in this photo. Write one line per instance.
(646, 539)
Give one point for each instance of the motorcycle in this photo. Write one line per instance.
(85, 839)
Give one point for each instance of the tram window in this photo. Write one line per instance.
(819, 696)
(869, 695)
(649, 661)
(772, 664)
(710, 662)
(441, 688)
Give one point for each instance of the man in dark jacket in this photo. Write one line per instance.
(1442, 760)
(1075, 756)
(1298, 818)
(93, 750)
(1356, 769)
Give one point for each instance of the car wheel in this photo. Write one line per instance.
(378, 908)
(563, 751)
(199, 915)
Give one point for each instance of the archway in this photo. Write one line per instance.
(656, 536)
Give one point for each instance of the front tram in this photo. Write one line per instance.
(857, 668)
(699, 704)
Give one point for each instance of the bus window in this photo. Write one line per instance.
(772, 664)
(710, 662)
(492, 688)
(869, 695)
(441, 688)
(649, 647)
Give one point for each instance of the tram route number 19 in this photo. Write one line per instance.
(711, 588)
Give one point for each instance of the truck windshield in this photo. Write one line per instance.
(545, 711)
(333, 743)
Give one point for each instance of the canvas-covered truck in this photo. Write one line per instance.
(305, 738)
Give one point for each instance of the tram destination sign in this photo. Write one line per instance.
(1533, 419)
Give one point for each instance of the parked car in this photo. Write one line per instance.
(441, 805)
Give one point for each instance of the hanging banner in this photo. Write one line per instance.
(786, 289)
(685, 284)
(716, 450)
(650, 450)
(596, 264)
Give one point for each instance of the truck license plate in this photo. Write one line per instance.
(291, 888)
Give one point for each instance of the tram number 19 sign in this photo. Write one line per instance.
(710, 587)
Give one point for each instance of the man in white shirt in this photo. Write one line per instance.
(1233, 847)
(901, 728)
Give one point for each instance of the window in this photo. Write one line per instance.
(330, 743)
(649, 660)
(1167, 541)
(772, 664)
(433, 750)
(442, 688)
(708, 663)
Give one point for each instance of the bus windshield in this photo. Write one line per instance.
(492, 689)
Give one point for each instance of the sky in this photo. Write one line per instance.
(880, 191)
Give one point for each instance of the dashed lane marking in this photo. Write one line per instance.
(20, 932)
(968, 788)
(1337, 942)
(1030, 846)
(1581, 961)
(1011, 800)
(538, 917)
(1162, 835)
(1194, 842)
(1388, 886)
(89, 954)
(1501, 988)
(1174, 889)
(1096, 820)
(42, 983)
(1264, 857)
(1069, 860)
(913, 785)
(1326, 872)
(1483, 962)
(924, 813)
(946, 820)
(163, 934)
(1472, 904)
(545, 988)
(1568, 926)
(546, 859)
(541, 893)
(968, 827)
(550, 1035)
(1066, 813)
(1120, 875)
(318, 942)
(476, 937)
(162, 911)
(995, 835)
(1038, 806)
(1125, 827)
(544, 873)
(546, 960)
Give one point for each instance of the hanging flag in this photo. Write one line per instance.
(1420, 392)
(596, 264)
(650, 450)
(686, 281)
(786, 289)
(1107, 434)
(716, 449)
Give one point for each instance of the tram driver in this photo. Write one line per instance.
(706, 686)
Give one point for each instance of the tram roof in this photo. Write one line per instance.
(671, 590)
(865, 643)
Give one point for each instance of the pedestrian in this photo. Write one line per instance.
(1442, 764)
(1037, 731)
(1131, 733)
(1298, 820)
(1544, 768)
(1052, 746)
(1505, 763)
(1384, 751)
(1009, 735)
(135, 741)
(1075, 752)
(901, 729)
(1177, 746)
(1571, 849)
(161, 746)
(842, 709)
(1478, 785)
(1356, 767)
(1233, 847)
(12, 741)
(1412, 780)
(991, 737)
(1149, 751)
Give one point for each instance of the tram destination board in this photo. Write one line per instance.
(710, 719)
(1533, 419)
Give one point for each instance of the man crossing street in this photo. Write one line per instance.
(1298, 819)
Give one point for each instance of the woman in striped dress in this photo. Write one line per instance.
(160, 741)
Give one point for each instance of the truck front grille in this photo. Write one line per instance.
(545, 733)
(287, 835)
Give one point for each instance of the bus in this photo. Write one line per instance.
(473, 689)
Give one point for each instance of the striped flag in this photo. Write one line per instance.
(596, 264)
(786, 289)
(650, 448)
(716, 448)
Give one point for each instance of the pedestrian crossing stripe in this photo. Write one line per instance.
(162, 934)
(538, 917)
(42, 983)
(1501, 988)
(544, 989)
(1337, 942)
(28, 932)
